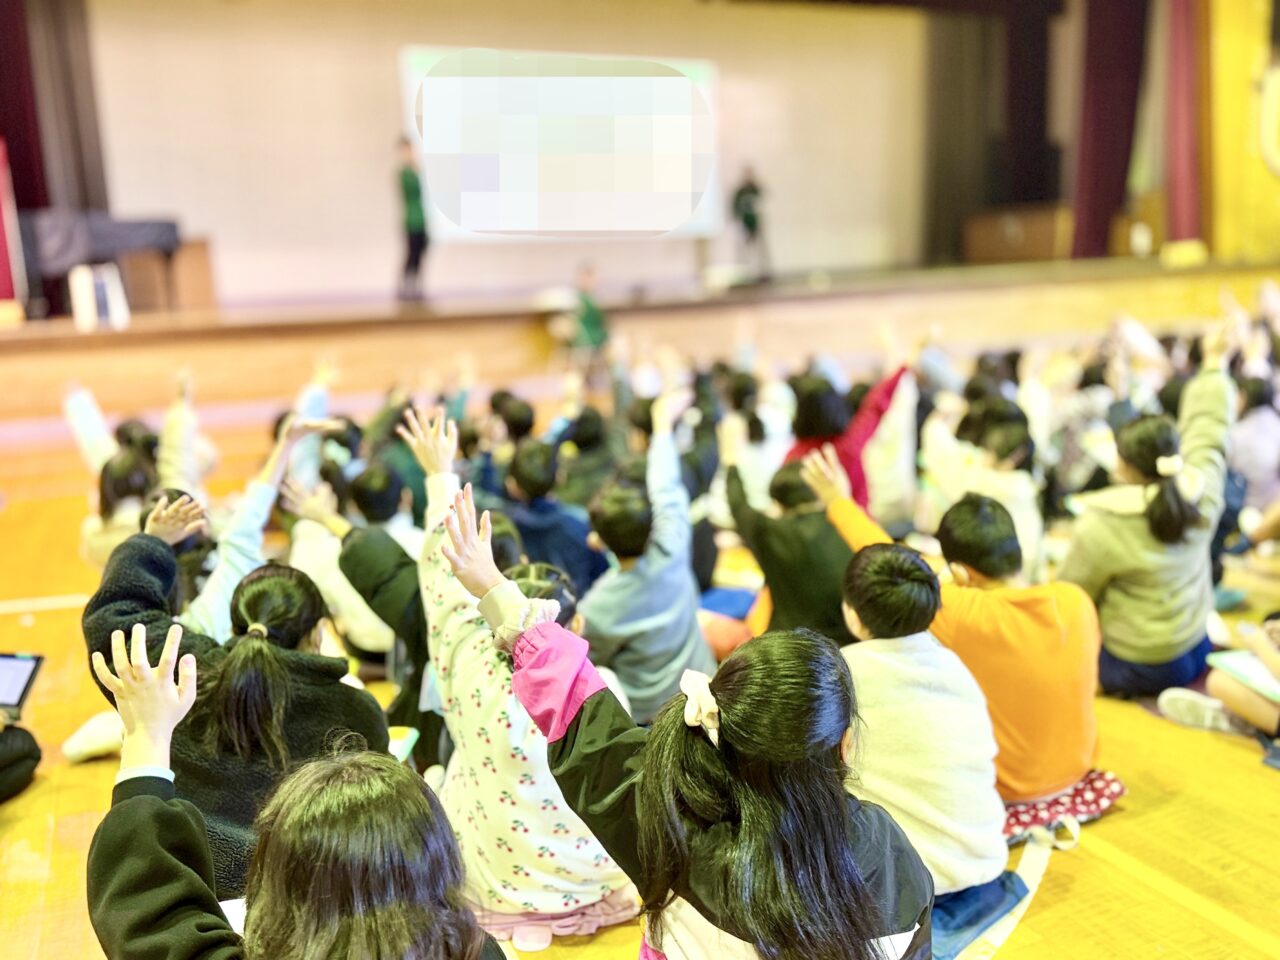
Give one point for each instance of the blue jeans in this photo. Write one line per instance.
(1148, 679)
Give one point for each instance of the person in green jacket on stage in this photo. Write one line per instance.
(415, 222)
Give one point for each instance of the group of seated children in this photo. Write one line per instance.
(536, 598)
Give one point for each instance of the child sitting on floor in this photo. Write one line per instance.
(1033, 650)
(533, 868)
(354, 853)
(553, 532)
(730, 813)
(1141, 546)
(641, 618)
(926, 748)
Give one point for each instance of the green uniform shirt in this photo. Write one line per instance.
(592, 331)
(415, 219)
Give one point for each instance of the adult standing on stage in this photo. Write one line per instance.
(746, 210)
(415, 222)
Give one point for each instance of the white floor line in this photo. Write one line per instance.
(68, 601)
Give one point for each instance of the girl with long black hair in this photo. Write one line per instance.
(730, 813)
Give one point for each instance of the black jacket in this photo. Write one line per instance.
(598, 764)
(228, 791)
(151, 880)
(803, 559)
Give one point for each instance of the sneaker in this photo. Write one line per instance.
(1193, 709)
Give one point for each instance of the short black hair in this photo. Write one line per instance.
(517, 415)
(376, 493)
(788, 488)
(892, 590)
(506, 543)
(985, 415)
(533, 468)
(1094, 375)
(587, 431)
(545, 581)
(979, 532)
(822, 411)
(1011, 441)
(622, 517)
(1257, 392)
(981, 386)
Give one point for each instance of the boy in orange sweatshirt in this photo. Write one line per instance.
(1033, 650)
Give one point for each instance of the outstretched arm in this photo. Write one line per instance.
(594, 747)
(150, 873)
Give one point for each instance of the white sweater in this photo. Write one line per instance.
(926, 753)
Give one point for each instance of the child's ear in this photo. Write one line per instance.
(406, 500)
(595, 543)
(852, 623)
(577, 624)
(960, 574)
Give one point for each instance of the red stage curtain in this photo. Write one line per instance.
(1115, 43)
(19, 124)
(1182, 159)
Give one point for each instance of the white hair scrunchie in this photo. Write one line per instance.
(1169, 466)
(700, 707)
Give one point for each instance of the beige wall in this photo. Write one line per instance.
(269, 126)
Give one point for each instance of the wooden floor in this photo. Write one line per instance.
(1186, 868)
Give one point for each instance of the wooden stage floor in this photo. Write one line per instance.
(1186, 869)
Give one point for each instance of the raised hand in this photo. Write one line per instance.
(319, 504)
(150, 701)
(668, 407)
(469, 551)
(174, 522)
(432, 438)
(825, 476)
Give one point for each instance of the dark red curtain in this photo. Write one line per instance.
(1115, 43)
(1182, 148)
(19, 125)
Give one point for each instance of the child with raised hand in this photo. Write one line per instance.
(1140, 548)
(533, 868)
(799, 552)
(730, 812)
(354, 854)
(641, 617)
(269, 697)
(1032, 649)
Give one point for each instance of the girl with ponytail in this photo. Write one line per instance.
(267, 699)
(730, 814)
(1141, 545)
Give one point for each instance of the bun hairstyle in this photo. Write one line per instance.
(773, 791)
(892, 590)
(355, 858)
(1142, 444)
(244, 697)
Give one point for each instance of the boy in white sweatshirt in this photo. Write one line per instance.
(926, 750)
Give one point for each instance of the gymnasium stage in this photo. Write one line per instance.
(260, 355)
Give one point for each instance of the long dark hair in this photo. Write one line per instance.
(243, 699)
(356, 858)
(785, 871)
(1140, 444)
